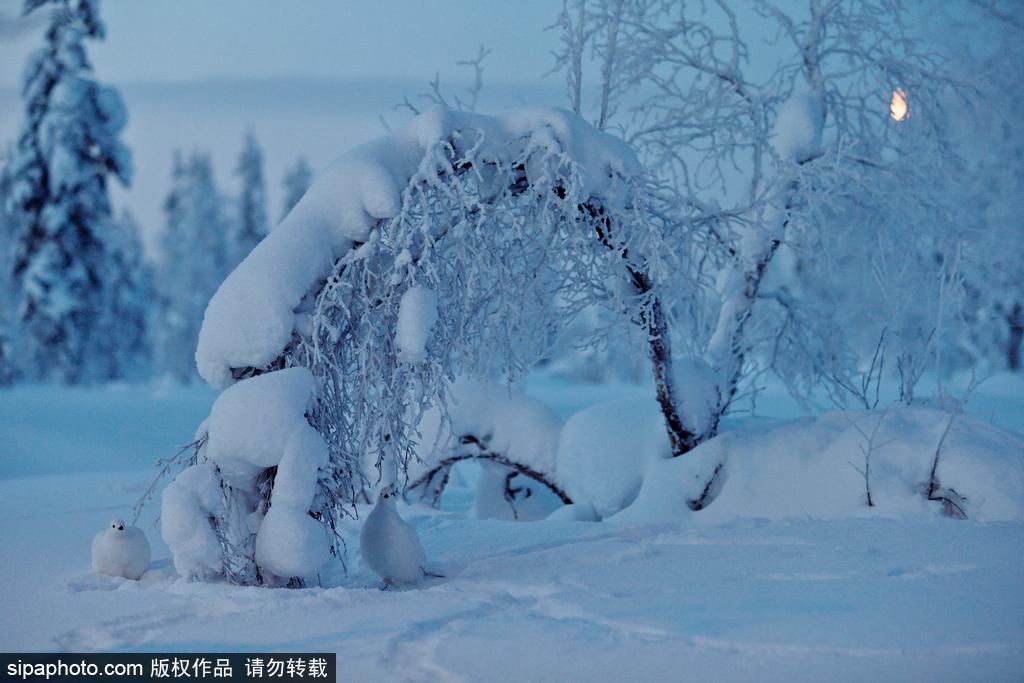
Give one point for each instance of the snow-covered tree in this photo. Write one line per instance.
(7, 367)
(987, 49)
(193, 261)
(461, 245)
(297, 180)
(250, 225)
(67, 149)
(768, 126)
(127, 309)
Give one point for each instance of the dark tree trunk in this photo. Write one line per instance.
(681, 439)
(659, 340)
(1013, 347)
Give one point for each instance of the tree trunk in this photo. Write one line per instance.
(1013, 347)
(681, 439)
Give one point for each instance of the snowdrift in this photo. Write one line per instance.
(483, 419)
(791, 470)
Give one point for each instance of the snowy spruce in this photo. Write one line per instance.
(67, 151)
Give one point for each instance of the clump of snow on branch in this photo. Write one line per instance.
(507, 420)
(798, 126)
(254, 426)
(417, 313)
(186, 508)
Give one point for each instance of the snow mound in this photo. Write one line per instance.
(252, 316)
(604, 452)
(813, 468)
(491, 418)
(504, 420)
(254, 425)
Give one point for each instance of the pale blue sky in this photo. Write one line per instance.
(184, 40)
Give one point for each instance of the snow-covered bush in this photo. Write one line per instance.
(459, 245)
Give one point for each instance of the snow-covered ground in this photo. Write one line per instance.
(801, 599)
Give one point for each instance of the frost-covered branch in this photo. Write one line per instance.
(867, 449)
(790, 164)
(380, 285)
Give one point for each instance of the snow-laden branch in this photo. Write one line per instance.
(462, 244)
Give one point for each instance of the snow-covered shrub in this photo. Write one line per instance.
(459, 245)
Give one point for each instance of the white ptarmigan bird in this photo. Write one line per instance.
(390, 546)
(120, 550)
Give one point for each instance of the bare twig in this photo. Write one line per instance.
(166, 465)
(867, 449)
